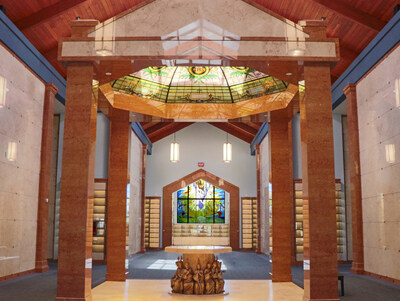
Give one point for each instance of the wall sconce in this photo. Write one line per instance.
(390, 153)
(227, 151)
(174, 152)
(3, 90)
(12, 151)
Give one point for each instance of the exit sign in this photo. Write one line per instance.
(200, 164)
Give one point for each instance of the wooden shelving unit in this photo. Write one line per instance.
(249, 223)
(152, 222)
(99, 219)
(340, 220)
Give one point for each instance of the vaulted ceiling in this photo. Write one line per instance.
(354, 22)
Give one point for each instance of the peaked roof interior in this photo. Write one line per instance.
(354, 22)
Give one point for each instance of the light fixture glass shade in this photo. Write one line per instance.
(390, 153)
(174, 153)
(227, 152)
(3, 88)
(12, 151)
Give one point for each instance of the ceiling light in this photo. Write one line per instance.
(174, 151)
(108, 73)
(227, 151)
(289, 74)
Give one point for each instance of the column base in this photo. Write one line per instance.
(41, 266)
(116, 276)
(357, 268)
(281, 278)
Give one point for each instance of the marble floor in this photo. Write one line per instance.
(152, 290)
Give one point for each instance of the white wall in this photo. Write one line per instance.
(379, 128)
(201, 142)
(20, 125)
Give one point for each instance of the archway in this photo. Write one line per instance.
(201, 174)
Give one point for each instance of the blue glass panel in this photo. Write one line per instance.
(182, 193)
(220, 211)
(219, 193)
(182, 211)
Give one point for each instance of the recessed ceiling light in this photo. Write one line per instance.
(108, 73)
(289, 74)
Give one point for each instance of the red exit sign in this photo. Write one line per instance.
(200, 164)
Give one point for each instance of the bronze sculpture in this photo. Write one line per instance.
(177, 280)
(198, 278)
(199, 282)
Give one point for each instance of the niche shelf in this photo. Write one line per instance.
(249, 223)
(152, 222)
(340, 220)
(99, 219)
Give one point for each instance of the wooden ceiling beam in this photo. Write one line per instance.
(353, 14)
(234, 131)
(245, 127)
(47, 13)
(146, 125)
(156, 127)
(170, 128)
(254, 125)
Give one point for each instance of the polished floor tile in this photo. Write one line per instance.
(157, 290)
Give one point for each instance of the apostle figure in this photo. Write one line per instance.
(208, 280)
(177, 279)
(188, 284)
(198, 278)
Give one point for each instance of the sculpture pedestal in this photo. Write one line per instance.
(198, 260)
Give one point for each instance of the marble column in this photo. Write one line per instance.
(143, 198)
(116, 252)
(282, 195)
(318, 171)
(258, 171)
(44, 179)
(355, 180)
(77, 186)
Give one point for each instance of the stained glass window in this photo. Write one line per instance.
(199, 84)
(201, 202)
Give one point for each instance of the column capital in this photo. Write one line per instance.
(52, 88)
(316, 29)
(80, 28)
(349, 89)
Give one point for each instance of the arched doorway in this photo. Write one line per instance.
(201, 174)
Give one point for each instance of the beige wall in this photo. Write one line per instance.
(379, 129)
(135, 208)
(264, 210)
(20, 123)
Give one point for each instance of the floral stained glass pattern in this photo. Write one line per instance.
(199, 84)
(201, 202)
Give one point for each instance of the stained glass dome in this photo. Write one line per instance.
(199, 84)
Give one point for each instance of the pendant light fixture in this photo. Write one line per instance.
(174, 152)
(227, 151)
